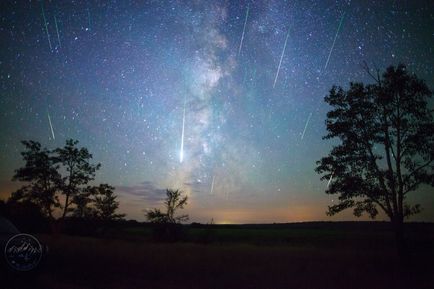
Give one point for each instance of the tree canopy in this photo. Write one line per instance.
(175, 200)
(386, 149)
(105, 202)
(40, 172)
(79, 171)
(63, 172)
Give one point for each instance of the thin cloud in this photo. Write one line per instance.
(146, 190)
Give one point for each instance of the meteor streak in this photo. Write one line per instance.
(51, 125)
(46, 27)
(325, 67)
(212, 185)
(330, 180)
(334, 41)
(281, 58)
(57, 31)
(305, 127)
(244, 30)
(181, 153)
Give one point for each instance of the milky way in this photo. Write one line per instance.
(222, 99)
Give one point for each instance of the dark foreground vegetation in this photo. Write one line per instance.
(305, 255)
(385, 152)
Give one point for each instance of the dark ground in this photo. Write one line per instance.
(306, 255)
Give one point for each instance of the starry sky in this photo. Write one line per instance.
(222, 99)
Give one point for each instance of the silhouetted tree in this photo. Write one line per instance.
(173, 202)
(167, 226)
(79, 172)
(41, 173)
(156, 216)
(386, 151)
(43, 169)
(105, 203)
(82, 202)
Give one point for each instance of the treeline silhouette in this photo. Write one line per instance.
(385, 148)
(384, 152)
(57, 183)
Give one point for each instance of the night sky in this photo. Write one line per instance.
(222, 99)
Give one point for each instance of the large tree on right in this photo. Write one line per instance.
(386, 145)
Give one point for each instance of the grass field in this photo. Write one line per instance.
(314, 255)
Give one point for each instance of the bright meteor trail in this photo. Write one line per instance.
(325, 67)
(51, 125)
(212, 185)
(244, 30)
(57, 31)
(305, 127)
(331, 178)
(46, 27)
(181, 153)
(334, 41)
(281, 58)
